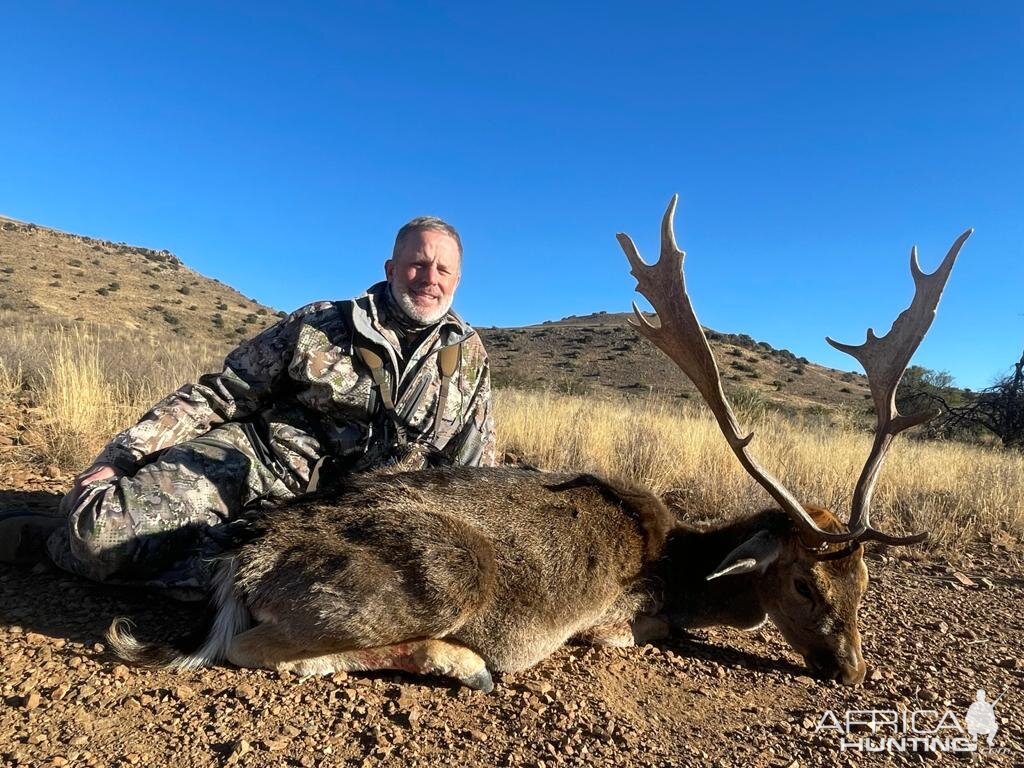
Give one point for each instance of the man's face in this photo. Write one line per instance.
(424, 275)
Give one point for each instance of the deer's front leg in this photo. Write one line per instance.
(613, 635)
(625, 634)
(649, 628)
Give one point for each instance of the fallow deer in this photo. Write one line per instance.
(461, 571)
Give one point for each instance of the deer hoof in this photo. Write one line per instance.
(479, 681)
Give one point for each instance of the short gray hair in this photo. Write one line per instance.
(421, 223)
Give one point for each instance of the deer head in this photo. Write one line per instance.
(810, 574)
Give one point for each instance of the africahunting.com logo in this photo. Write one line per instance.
(913, 730)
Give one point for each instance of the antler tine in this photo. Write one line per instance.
(885, 360)
(680, 336)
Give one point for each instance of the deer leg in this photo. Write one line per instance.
(266, 646)
(625, 634)
(614, 635)
(647, 628)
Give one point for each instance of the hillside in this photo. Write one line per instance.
(602, 354)
(48, 277)
(52, 277)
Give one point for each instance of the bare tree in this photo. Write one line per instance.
(998, 409)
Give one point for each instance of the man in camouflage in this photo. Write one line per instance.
(392, 375)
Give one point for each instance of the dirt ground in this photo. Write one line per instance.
(933, 635)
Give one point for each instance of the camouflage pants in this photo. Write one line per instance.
(164, 525)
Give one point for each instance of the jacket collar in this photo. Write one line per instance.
(365, 319)
(452, 327)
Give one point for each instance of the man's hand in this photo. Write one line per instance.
(93, 474)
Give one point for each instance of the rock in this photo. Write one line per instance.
(121, 672)
(60, 692)
(963, 579)
(244, 691)
(32, 700)
(275, 745)
(476, 735)
(183, 693)
(52, 470)
(876, 675)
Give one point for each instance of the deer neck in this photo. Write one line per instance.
(689, 600)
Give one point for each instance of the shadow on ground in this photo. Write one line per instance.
(49, 602)
(13, 501)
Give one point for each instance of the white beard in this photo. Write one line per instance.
(412, 311)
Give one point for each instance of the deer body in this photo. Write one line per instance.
(509, 562)
(503, 565)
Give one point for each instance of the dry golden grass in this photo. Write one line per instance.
(956, 491)
(87, 384)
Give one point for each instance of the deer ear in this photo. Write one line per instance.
(754, 554)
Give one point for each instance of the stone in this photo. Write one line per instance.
(183, 693)
(963, 579)
(244, 691)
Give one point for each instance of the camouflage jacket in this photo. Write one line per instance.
(304, 393)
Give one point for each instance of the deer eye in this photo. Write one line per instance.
(803, 588)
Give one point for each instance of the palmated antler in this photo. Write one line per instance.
(680, 336)
(885, 360)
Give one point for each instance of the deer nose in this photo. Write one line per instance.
(845, 671)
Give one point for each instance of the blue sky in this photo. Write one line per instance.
(279, 148)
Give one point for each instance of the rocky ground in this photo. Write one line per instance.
(933, 635)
